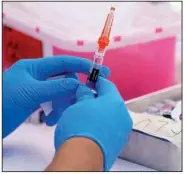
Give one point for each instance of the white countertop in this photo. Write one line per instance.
(30, 148)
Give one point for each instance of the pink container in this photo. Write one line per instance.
(137, 69)
(141, 54)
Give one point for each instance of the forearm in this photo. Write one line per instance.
(77, 154)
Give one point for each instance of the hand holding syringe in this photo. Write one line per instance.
(103, 42)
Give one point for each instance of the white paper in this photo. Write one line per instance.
(158, 126)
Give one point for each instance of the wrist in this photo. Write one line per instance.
(78, 154)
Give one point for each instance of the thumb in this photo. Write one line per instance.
(105, 87)
(51, 119)
(47, 90)
(83, 93)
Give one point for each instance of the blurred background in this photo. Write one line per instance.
(145, 49)
(144, 56)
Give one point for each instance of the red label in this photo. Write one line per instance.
(37, 29)
(80, 42)
(158, 30)
(17, 45)
(117, 38)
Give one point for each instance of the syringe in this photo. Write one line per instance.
(103, 42)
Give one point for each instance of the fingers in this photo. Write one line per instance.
(53, 110)
(47, 90)
(104, 72)
(51, 119)
(83, 93)
(57, 64)
(104, 86)
(72, 75)
(50, 66)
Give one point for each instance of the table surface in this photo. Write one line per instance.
(30, 148)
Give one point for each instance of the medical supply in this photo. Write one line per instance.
(180, 117)
(176, 114)
(158, 138)
(165, 113)
(103, 42)
(167, 108)
(159, 105)
(152, 110)
(170, 102)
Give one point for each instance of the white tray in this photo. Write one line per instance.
(149, 150)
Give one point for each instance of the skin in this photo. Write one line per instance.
(77, 154)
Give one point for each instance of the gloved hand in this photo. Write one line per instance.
(67, 100)
(57, 106)
(25, 88)
(104, 119)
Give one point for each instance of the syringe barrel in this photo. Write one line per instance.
(103, 42)
(95, 69)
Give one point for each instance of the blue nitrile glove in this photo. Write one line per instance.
(57, 107)
(25, 88)
(104, 119)
(54, 116)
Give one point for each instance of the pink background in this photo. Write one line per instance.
(137, 69)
